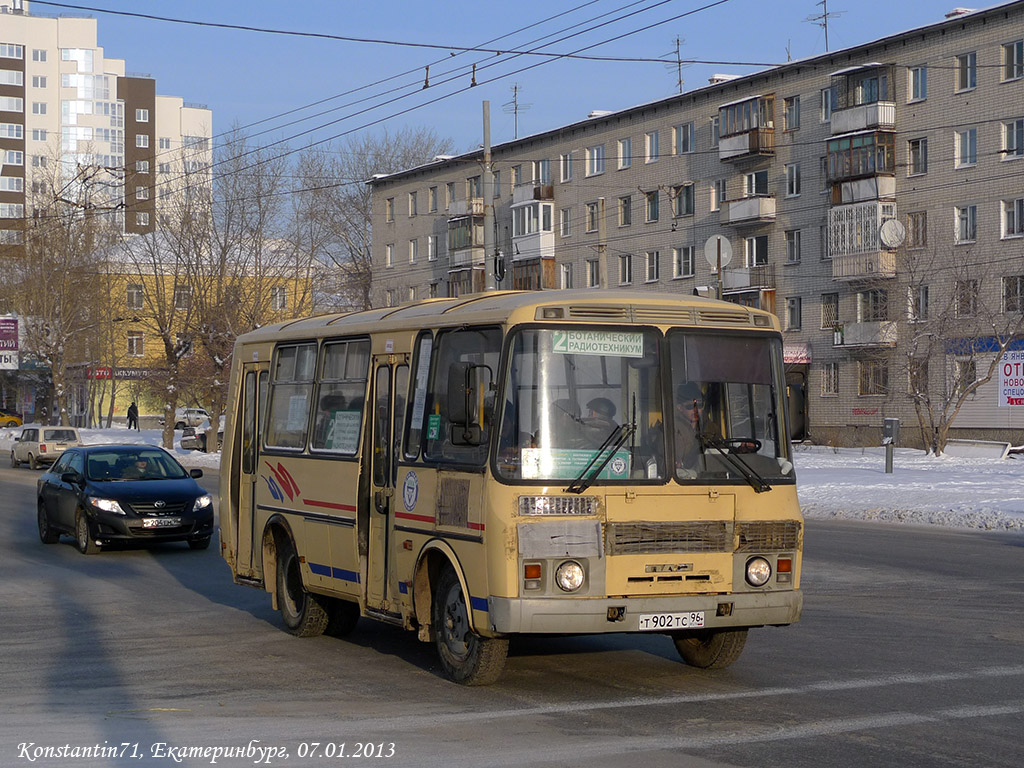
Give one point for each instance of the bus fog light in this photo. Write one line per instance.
(569, 576)
(759, 571)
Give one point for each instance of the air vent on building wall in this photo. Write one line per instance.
(959, 12)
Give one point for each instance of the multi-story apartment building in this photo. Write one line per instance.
(74, 122)
(872, 197)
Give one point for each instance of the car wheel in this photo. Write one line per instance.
(47, 533)
(32, 463)
(711, 648)
(203, 543)
(14, 460)
(303, 613)
(342, 617)
(83, 535)
(466, 657)
(11, 424)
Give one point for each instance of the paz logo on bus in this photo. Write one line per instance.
(410, 491)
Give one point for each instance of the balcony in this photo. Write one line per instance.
(864, 266)
(532, 190)
(863, 190)
(880, 114)
(473, 206)
(879, 333)
(748, 210)
(754, 143)
(747, 128)
(863, 97)
(748, 278)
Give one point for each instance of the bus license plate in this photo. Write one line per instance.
(649, 622)
(161, 522)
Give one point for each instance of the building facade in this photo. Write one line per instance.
(872, 197)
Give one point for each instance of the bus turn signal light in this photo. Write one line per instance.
(531, 571)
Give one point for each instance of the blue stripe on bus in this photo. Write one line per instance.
(334, 573)
(478, 603)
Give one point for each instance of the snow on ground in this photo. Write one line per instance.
(950, 491)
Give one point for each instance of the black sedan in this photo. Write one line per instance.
(105, 494)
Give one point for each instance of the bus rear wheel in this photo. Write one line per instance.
(711, 648)
(466, 657)
(301, 611)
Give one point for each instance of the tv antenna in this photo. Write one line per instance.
(678, 65)
(822, 19)
(514, 107)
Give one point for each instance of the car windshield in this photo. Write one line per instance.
(133, 465)
(59, 435)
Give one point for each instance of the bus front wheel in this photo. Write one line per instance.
(710, 648)
(302, 612)
(466, 657)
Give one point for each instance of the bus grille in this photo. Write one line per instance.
(768, 536)
(663, 315)
(723, 316)
(650, 538)
(599, 312)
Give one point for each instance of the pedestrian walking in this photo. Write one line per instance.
(133, 416)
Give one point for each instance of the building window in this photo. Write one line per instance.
(164, 142)
(651, 147)
(12, 210)
(791, 113)
(595, 160)
(873, 305)
(1013, 60)
(793, 180)
(917, 303)
(38, 54)
(496, 183)
(182, 297)
(684, 143)
(917, 375)
(966, 153)
(413, 249)
(566, 276)
(1013, 293)
(918, 85)
(716, 130)
(873, 377)
(38, 134)
(652, 205)
(918, 156)
(625, 211)
(279, 297)
(718, 194)
(136, 344)
(135, 298)
(142, 193)
(565, 161)
(966, 224)
(827, 102)
(389, 255)
(142, 219)
(432, 291)
(794, 313)
(11, 77)
(756, 183)
(565, 222)
(432, 241)
(163, 168)
(1013, 217)
(12, 131)
(38, 81)
(389, 209)
(38, 107)
(542, 171)
(17, 184)
(682, 200)
(413, 204)
(829, 310)
(1013, 139)
(141, 140)
(830, 379)
(965, 298)
(593, 273)
(625, 153)
(142, 166)
(474, 187)
(11, 104)
(592, 217)
(17, 157)
(625, 269)
(11, 51)
(141, 115)
(389, 297)
(967, 71)
(755, 251)
(917, 229)
(653, 259)
(793, 246)
(449, 194)
(683, 262)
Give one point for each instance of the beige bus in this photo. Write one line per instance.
(517, 463)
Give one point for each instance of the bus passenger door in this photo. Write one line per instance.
(254, 400)
(388, 413)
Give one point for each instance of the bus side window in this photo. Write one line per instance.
(417, 412)
(290, 396)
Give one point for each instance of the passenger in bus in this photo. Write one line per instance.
(600, 420)
(694, 427)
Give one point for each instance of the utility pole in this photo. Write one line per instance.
(489, 255)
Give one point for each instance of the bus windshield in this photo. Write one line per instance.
(631, 405)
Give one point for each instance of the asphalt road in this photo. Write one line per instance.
(910, 653)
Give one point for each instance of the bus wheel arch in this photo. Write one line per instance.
(433, 559)
(275, 533)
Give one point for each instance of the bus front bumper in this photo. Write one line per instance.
(566, 615)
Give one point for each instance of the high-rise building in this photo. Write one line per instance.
(871, 197)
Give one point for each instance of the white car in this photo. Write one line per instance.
(189, 417)
(42, 445)
(194, 438)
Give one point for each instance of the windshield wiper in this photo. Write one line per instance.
(615, 440)
(758, 483)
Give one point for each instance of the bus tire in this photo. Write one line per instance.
(467, 658)
(301, 611)
(342, 617)
(710, 648)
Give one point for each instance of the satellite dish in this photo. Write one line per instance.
(892, 233)
(712, 247)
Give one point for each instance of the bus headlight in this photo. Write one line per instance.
(569, 576)
(759, 571)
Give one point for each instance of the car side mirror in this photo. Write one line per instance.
(17, 438)
(196, 473)
(71, 478)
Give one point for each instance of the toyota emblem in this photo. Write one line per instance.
(160, 504)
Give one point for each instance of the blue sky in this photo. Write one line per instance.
(246, 76)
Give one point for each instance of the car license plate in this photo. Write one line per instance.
(655, 622)
(161, 522)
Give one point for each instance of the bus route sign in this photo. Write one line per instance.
(622, 344)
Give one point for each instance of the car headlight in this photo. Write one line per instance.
(107, 505)
(202, 502)
(759, 571)
(569, 576)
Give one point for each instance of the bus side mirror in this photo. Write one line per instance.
(465, 403)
